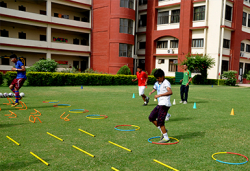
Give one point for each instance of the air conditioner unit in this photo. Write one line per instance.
(241, 54)
(175, 61)
(159, 61)
(170, 51)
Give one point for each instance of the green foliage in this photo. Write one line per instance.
(61, 79)
(201, 64)
(230, 77)
(198, 80)
(248, 75)
(10, 76)
(90, 70)
(1, 78)
(124, 70)
(153, 71)
(47, 65)
(70, 70)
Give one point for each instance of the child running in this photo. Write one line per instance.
(163, 88)
(142, 78)
(17, 83)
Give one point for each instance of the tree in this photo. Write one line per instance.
(124, 70)
(199, 63)
(47, 65)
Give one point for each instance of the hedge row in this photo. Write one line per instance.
(1, 78)
(61, 79)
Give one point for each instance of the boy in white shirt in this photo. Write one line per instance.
(163, 88)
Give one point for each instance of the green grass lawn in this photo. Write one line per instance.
(203, 131)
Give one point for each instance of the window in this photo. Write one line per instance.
(76, 18)
(224, 66)
(161, 61)
(56, 14)
(76, 41)
(85, 42)
(42, 12)
(22, 8)
(174, 43)
(142, 45)
(226, 43)
(143, 20)
(22, 35)
(197, 43)
(5, 61)
(42, 37)
(247, 48)
(175, 17)
(125, 50)
(173, 65)
(4, 33)
(85, 19)
(199, 13)
(127, 4)
(228, 15)
(248, 23)
(242, 47)
(126, 26)
(162, 44)
(244, 19)
(163, 17)
(3, 4)
(143, 2)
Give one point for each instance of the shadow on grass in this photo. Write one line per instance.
(10, 125)
(179, 119)
(190, 135)
(19, 165)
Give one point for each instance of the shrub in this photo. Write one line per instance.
(153, 71)
(10, 76)
(1, 78)
(47, 65)
(124, 70)
(70, 70)
(230, 77)
(90, 70)
(248, 75)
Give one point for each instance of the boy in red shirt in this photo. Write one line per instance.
(142, 83)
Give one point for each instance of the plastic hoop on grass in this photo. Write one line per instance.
(62, 105)
(137, 128)
(51, 101)
(177, 141)
(78, 111)
(229, 162)
(90, 117)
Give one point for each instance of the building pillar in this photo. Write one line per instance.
(48, 8)
(235, 36)
(150, 44)
(185, 38)
(48, 55)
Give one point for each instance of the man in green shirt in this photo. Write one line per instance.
(185, 84)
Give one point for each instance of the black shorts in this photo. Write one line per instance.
(160, 113)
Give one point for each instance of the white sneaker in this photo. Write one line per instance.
(167, 117)
(185, 102)
(181, 101)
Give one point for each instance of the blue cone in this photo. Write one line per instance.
(212, 85)
(133, 95)
(81, 87)
(194, 106)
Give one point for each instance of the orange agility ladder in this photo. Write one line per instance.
(36, 113)
(66, 118)
(34, 119)
(10, 103)
(23, 104)
(12, 113)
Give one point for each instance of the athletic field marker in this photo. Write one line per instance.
(83, 151)
(13, 140)
(86, 132)
(165, 165)
(55, 136)
(120, 146)
(40, 159)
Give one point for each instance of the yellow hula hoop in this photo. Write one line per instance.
(218, 153)
(78, 111)
(90, 116)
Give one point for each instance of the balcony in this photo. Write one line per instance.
(168, 2)
(70, 22)
(70, 47)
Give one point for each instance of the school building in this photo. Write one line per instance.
(107, 34)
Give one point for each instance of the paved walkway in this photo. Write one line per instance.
(244, 85)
